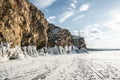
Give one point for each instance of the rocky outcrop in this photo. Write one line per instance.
(58, 36)
(62, 37)
(22, 24)
(24, 30)
(78, 42)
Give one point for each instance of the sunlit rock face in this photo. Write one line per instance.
(22, 24)
(24, 31)
(58, 36)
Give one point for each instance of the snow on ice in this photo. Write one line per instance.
(101, 65)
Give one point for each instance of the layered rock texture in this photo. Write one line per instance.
(62, 37)
(23, 29)
(58, 36)
(22, 24)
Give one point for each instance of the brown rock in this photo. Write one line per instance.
(58, 36)
(22, 24)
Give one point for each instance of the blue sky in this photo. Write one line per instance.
(97, 20)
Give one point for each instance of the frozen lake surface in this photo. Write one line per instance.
(100, 65)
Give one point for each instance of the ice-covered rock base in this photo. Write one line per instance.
(7, 53)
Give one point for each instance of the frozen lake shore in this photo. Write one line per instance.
(99, 65)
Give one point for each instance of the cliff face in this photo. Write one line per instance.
(23, 28)
(62, 37)
(58, 36)
(78, 42)
(22, 24)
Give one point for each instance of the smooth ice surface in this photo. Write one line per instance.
(101, 65)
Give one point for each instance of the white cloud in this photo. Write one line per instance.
(79, 17)
(69, 12)
(102, 35)
(42, 3)
(84, 7)
(51, 19)
(115, 16)
(72, 5)
(65, 16)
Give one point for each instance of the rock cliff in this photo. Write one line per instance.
(62, 37)
(24, 30)
(78, 42)
(58, 36)
(22, 24)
